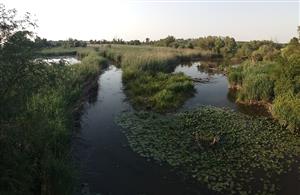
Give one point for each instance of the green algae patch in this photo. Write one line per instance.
(227, 151)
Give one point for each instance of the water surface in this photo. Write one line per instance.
(70, 60)
(106, 162)
(215, 92)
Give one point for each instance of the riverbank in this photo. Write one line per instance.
(146, 69)
(228, 152)
(266, 105)
(272, 83)
(40, 137)
(146, 75)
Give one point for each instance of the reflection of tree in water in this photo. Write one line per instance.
(209, 67)
(93, 93)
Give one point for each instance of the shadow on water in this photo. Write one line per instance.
(105, 161)
(216, 91)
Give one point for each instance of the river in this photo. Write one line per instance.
(215, 92)
(105, 161)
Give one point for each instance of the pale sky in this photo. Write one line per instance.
(103, 19)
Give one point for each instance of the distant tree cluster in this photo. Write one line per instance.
(258, 50)
(171, 41)
(73, 43)
(44, 43)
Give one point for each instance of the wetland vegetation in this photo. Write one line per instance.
(222, 149)
(229, 152)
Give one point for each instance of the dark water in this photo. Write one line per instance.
(106, 162)
(215, 92)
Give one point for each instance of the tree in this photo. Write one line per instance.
(147, 40)
(219, 43)
(134, 42)
(9, 24)
(294, 41)
(190, 45)
(169, 40)
(16, 51)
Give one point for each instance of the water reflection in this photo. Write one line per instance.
(93, 93)
(70, 60)
(106, 163)
(216, 91)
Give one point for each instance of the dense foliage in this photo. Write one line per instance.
(38, 102)
(227, 151)
(276, 81)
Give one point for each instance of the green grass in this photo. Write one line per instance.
(146, 72)
(276, 83)
(159, 92)
(147, 78)
(81, 52)
(227, 151)
(36, 132)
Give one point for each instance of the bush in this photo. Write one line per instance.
(257, 87)
(235, 76)
(286, 109)
(36, 126)
(288, 76)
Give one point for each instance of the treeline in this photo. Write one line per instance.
(38, 107)
(272, 76)
(226, 47)
(70, 43)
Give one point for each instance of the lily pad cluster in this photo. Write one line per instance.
(229, 152)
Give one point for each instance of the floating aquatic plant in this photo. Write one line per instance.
(227, 151)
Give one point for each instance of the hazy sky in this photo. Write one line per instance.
(104, 19)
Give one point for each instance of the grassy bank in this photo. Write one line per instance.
(228, 152)
(80, 52)
(36, 126)
(274, 83)
(146, 74)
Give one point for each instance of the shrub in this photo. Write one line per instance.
(257, 87)
(235, 76)
(286, 109)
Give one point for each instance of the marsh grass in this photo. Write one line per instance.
(80, 52)
(275, 83)
(146, 75)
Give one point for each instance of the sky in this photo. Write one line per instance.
(244, 20)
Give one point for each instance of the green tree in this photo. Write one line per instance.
(169, 40)
(294, 41)
(219, 43)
